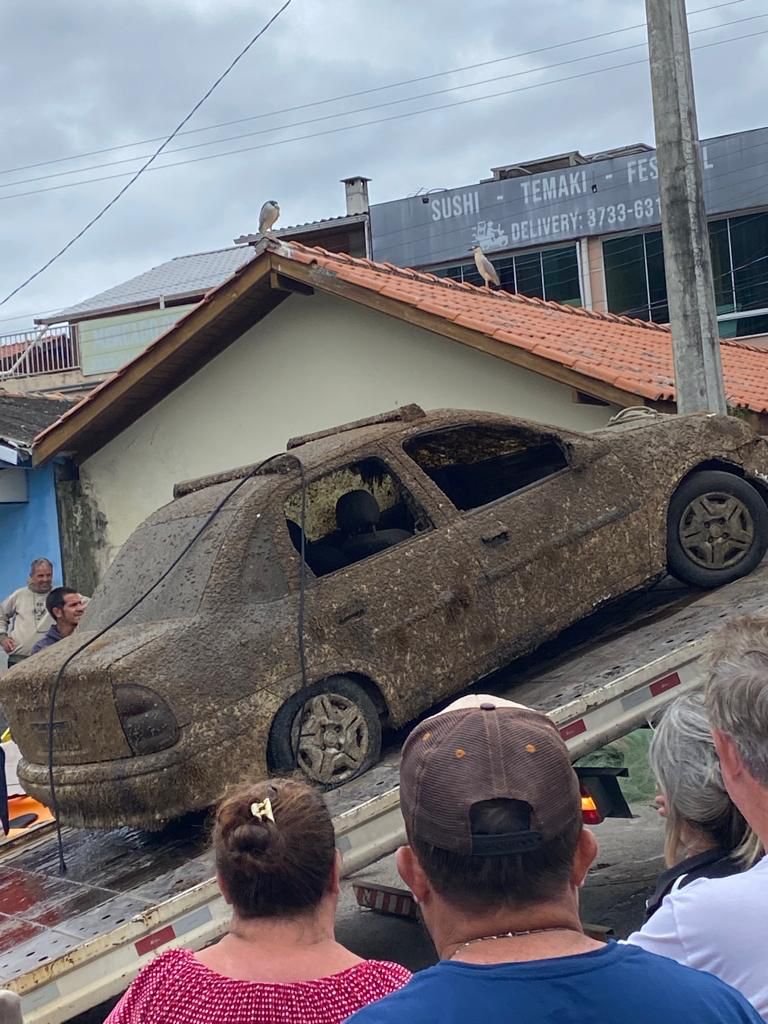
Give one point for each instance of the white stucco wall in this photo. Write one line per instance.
(312, 363)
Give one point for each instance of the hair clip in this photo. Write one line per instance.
(263, 810)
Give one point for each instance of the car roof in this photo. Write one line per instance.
(315, 450)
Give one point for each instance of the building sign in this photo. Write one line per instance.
(620, 194)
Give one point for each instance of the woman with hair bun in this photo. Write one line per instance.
(277, 867)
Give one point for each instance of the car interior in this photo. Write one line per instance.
(474, 466)
(352, 513)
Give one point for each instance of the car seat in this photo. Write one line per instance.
(321, 557)
(358, 516)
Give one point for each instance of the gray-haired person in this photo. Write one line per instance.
(707, 836)
(24, 618)
(719, 925)
(497, 854)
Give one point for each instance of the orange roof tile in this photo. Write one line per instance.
(631, 354)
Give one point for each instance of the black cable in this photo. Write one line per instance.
(123, 615)
(373, 89)
(346, 128)
(150, 160)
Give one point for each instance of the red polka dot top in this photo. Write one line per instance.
(175, 988)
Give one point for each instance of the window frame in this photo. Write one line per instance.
(514, 255)
(565, 449)
(291, 556)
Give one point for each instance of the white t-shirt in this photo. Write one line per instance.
(719, 925)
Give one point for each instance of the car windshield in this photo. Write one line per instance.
(143, 559)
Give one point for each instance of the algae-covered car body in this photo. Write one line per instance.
(438, 547)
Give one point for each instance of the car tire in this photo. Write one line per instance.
(330, 732)
(717, 529)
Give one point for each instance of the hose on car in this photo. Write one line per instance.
(123, 615)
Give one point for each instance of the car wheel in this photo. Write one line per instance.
(717, 529)
(330, 731)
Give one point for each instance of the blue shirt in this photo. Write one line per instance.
(48, 639)
(611, 985)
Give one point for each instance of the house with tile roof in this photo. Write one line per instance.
(76, 348)
(299, 339)
(29, 524)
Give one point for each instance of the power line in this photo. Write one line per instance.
(367, 124)
(362, 110)
(374, 89)
(152, 158)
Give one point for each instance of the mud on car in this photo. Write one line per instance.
(437, 548)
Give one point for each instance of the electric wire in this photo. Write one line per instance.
(146, 165)
(365, 124)
(254, 471)
(369, 91)
(362, 110)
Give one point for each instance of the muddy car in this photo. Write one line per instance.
(437, 548)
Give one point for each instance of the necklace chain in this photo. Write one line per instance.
(508, 935)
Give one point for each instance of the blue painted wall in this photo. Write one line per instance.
(29, 531)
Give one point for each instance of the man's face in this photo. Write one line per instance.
(41, 580)
(72, 611)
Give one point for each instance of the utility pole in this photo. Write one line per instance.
(687, 261)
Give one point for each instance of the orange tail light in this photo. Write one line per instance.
(589, 813)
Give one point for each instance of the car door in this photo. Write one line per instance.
(416, 618)
(558, 528)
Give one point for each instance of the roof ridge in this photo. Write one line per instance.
(413, 274)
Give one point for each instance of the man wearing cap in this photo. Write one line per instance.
(496, 857)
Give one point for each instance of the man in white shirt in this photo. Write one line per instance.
(24, 618)
(721, 925)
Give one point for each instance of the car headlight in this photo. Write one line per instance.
(148, 723)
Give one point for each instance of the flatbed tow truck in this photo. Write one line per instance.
(68, 943)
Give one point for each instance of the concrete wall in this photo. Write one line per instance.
(28, 531)
(312, 363)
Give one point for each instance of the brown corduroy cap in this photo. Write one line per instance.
(485, 748)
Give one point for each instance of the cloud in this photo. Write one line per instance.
(86, 76)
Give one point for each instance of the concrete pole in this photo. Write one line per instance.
(687, 261)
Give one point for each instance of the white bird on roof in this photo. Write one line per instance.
(270, 211)
(485, 268)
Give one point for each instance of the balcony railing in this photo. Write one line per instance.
(33, 353)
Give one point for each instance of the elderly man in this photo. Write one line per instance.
(496, 857)
(66, 607)
(23, 615)
(720, 925)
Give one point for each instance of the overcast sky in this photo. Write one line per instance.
(86, 75)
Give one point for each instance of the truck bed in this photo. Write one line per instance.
(68, 942)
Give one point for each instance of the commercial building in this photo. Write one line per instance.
(585, 230)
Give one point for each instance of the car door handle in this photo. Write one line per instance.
(349, 612)
(493, 540)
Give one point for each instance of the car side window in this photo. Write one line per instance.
(475, 465)
(351, 513)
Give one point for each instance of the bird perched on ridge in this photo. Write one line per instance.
(485, 268)
(270, 211)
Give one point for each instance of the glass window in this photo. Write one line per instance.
(744, 326)
(749, 252)
(351, 513)
(634, 276)
(474, 466)
(530, 280)
(657, 280)
(547, 274)
(626, 282)
(720, 248)
(561, 275)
